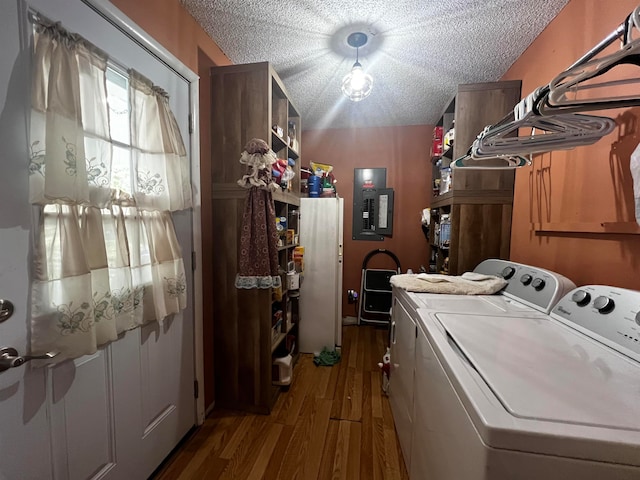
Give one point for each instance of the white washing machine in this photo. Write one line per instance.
(530, 398)
(530, 292)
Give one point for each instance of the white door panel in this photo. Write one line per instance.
(117, 413)
(23, 410)
(81, 452)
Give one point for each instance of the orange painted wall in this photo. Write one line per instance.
(404, 152)
(586, 186)
(170, 24)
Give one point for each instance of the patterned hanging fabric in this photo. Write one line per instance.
(259, 237)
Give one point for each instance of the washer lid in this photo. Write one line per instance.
(540, 370)
(473, 304)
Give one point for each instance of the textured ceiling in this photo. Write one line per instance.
(418, 50)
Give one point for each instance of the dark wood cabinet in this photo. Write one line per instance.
(248, 101)
(471, 219)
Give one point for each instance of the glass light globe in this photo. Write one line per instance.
(357, 85)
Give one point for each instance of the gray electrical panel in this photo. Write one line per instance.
(372, 205)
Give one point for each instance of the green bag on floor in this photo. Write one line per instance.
(327, 357)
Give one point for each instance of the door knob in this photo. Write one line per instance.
(6, 310)
(9, 358)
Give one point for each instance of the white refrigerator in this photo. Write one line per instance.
(321, 232)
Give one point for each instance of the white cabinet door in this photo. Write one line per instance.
(403, 338)
(115, 414)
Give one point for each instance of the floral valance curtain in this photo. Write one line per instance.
(106, 257)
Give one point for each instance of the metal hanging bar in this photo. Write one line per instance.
(621, 30)
(532, 106)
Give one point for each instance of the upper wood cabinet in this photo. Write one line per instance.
(248, 101)
(471, 221)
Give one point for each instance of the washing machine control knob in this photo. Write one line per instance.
(638, 318)
(604, 304)
(581, 297)
(526, 279)
(507, 272)
(538, 284)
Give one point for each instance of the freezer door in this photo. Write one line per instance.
(320, 299)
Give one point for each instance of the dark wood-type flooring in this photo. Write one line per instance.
(332, 423)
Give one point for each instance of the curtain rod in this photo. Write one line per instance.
(38, 18)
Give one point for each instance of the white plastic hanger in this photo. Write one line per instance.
(572, 80)
(557, 132)
(551, 116)
(510, 162)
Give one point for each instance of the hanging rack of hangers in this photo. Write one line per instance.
(550, 114)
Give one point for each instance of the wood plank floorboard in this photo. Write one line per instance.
(332, 423)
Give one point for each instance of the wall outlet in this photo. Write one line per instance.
(352, 296)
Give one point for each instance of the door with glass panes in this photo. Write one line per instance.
(119, 412)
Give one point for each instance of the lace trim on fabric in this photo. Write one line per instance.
(258, 282)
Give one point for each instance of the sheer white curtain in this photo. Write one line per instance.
(160, 158)
(106, 256)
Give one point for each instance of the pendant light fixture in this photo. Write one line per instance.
(357, 84)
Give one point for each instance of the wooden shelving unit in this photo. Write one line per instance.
(478, 205)
(249, 101)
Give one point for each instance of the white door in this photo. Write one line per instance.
(115, 414)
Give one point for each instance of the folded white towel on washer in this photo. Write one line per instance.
(469, 283)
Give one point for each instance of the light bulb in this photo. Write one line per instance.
(357, 78)
(356, 84)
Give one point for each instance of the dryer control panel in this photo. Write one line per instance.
(610, 315)
(536, 287)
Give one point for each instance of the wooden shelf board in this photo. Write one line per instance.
(293, 154)
(286, 197)
(274, 343)
(504, 84)
(277, 142)
(290, 328)
(286, 247)
(458, 197)
(621, 228)
(281, 336)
